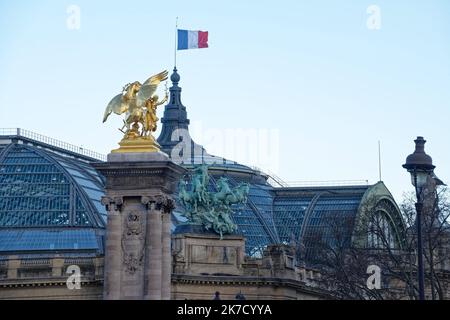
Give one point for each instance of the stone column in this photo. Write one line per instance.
(113, 265)
(134, 239)
(154, 254)
(57, 267)
(166, 252)
(137, 251)
(13, 266)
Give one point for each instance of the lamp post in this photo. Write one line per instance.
(420, 166)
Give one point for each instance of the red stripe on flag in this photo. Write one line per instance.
(203, 39)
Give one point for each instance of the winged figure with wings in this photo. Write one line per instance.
(138, 102)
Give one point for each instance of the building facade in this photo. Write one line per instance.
(52, 221)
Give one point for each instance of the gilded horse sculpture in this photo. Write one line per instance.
(139, 104)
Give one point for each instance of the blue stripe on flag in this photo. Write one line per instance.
(182, 39)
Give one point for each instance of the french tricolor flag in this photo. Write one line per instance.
(188, 39)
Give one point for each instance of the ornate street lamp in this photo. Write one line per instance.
(420, 166)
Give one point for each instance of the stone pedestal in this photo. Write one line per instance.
(199, 252)
(138, 200)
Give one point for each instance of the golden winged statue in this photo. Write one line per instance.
(139, 103)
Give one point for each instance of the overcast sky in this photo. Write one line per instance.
(315, 81)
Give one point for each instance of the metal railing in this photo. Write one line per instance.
(51, 141)
(275, 180)
(328, 183)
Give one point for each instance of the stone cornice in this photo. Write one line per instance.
(44, 283)
(249, 281)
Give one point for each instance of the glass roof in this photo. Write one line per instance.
(51, 192)
(330, 221)
(289, 218)
(48, 240)
(289, 213)
(38, 190)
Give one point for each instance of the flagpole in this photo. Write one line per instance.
(176, 36)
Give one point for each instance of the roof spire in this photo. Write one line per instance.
(175, 77)
(175, 115)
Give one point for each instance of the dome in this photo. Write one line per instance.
(49, 201)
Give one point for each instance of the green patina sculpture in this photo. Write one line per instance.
(211, 209)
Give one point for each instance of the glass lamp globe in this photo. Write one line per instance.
(419, 164)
